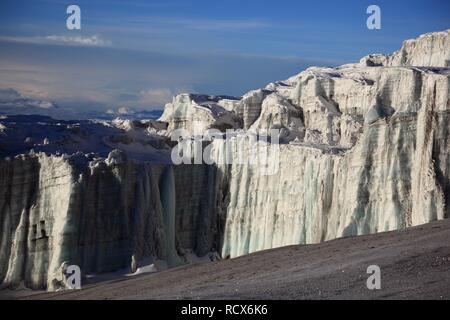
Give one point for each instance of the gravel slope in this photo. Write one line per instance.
(415, 264)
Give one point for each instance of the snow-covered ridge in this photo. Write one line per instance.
(428, 50)
(21, 134)
(323, 105)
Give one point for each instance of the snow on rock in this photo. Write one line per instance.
(44, 134)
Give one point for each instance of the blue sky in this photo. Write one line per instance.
(139, 53)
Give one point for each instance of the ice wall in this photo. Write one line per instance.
(367, 152)
(386, 182)
(103, 215)
(374, 156)
(197, 216)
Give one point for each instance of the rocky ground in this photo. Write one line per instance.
(415, 264)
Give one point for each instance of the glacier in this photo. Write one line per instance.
(363, 148)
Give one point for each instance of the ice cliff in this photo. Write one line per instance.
(103, 209)
(363, 148)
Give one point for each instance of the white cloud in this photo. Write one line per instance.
(125, 110)
(11, 99)
(94, 40)
(157, 96)
(8, 95)
(84, 41)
